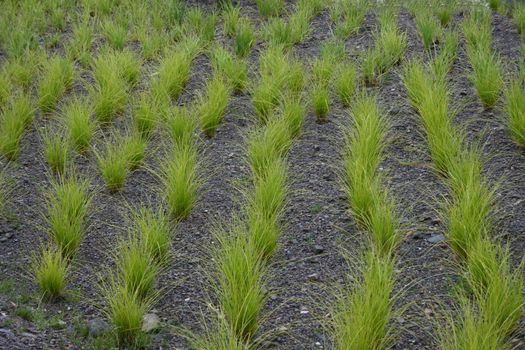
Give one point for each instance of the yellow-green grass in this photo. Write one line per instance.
(78, 124)
(56, 149)
(15, 118)
(265, 205)
(240, 283)
(429, 96)
(270, 8)
(267, 145)
(50, 272)
(361, 317)
(515, 108)
(233, 69)
(212, 105)
(486, 75)
(57, 79)
(181, 124)
(181, 181)
(174, 71)
(154, 230)
(67, 209)
(346, 81)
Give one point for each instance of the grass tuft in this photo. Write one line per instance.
(515, 107)
(270, 8)
(56, 149)
(154, 232)
(240, 276)
(58, 77)
(486, 75)
(79, 127)
(345, 83)
(211, 107)
(361, 318)
(13, 122)
(181, 181)
(244, 38)
(320, 101)
(50, 273)
(134, 265)
(233, 69)
(67, 206)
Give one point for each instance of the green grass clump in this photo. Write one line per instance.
(429, 96)
(110, 93)
(515, 107)
(233, 69)
(231, 17)
(494, 4)
(293, 112)
(361, 317)
(210, 108)
(181, 181)
(345, 83)
(472, 200)
(278, 32)
(267, 145)
(50, 272)
(219, 337)
(128, 65)
(486, 75)
(5, 89)
(280, 77)
(429, 29)
(320, 101)
(56, 150)
(125, 310)
(116, 34)
(114, 165)
(154, 232)
(23, 71)
(390, 46)
(134, 265)
(133, 150)
(121, 155)
(490, 312)
(200, 25)
(265, 206)
(15, 118)
(240, 275)
(518, 15)
(79, 126)
(270, 8)
(445, 11)
(79, 47)
(442, 62)
(58, 77)
(145, 116)
(181, 125)
(244, 38)
(477, 29)
(365, 142)
(349, 16)
(299, 24)
(67, 204)
(174, 72)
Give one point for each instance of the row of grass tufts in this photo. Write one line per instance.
(129, 291)
(245, 247)
(490, 305)
(361, 318)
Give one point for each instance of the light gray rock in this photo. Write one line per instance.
(97, 326)
(150, 322)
